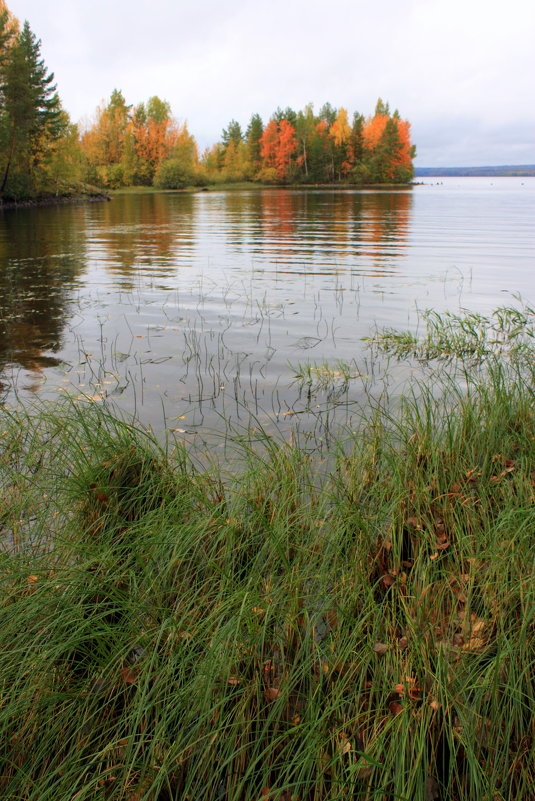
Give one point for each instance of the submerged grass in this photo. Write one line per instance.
(285, 633)
(508, 331)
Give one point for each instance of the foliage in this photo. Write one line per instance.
(316, 148)
(33, 126)
(175, 174)
(285, 632)
(129, 145)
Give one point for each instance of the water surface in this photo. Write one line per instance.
(194, 310)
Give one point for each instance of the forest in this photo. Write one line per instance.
(43, 153)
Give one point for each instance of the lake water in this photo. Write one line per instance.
(196, 311)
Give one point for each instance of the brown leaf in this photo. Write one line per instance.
(128, 675)
(271, 693)
(395, 707)
(380, 648)
(403, 643)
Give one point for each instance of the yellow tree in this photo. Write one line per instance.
(340, 132)
(103, 144)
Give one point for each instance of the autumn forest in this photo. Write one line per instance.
(43, 153)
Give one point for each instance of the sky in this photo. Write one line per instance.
(461, 71)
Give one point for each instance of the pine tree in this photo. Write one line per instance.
(255, 129)
(32, 114)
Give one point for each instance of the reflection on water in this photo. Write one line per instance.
(204, 305)
(42, 253)
(296, 229)
(147, 233)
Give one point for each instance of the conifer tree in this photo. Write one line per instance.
(31, 113)
(255, 129)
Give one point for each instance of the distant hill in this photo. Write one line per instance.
(514, 169)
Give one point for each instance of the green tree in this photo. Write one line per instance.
(255, 129)
(328, 114)
(159, 111)
(232, 134)
(357, 136)
(287, 114)
(381, 109)
(31, 116)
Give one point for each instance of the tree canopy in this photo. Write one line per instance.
(32, 122)
(143, 144)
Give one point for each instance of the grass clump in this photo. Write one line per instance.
(285, 633)
(508, 331)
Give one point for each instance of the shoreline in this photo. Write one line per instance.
(56, 200)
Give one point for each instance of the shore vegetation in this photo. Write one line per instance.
(289, 624)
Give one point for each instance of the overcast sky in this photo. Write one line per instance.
(461, 71)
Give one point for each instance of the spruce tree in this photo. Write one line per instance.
(32, 114)
(255, 129)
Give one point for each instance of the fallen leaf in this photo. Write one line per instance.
(271, 693)
(128, 675)
(380, 648)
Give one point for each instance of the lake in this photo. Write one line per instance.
(204, 312)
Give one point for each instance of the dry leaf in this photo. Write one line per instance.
(128, 675)
(380, 648)
(271, 693)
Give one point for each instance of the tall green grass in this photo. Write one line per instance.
(280, 632)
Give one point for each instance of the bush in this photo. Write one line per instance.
(174, 174)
